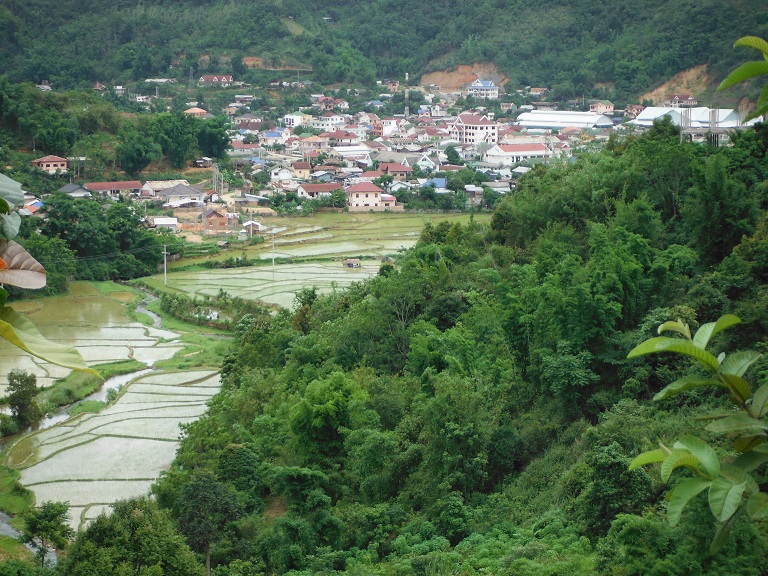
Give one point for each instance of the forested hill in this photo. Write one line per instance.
(570, 46)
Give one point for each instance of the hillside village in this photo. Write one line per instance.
(369, 161)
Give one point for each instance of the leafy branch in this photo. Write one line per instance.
(750, 70)
(730, 487)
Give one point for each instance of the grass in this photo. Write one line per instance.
(14, 498)
(13, 549)
(89, 406)
(78, 385)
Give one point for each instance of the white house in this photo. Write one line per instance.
(364, 196)
(474, 129)
(483, 89)
(509, 154)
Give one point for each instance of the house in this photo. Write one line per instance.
(152, 187)
(601, 107)
(75, 191)
(397, 171)
(222, 80)
(213, 220)
(352, 263)
(279, 173)
(115, 189)
(485, 89)
(301, 170)
(163, 222)
(252, 226)
(632, 111)
(681, 101)
(182, 195)
(364, 196)
(474, 129)
(51, 164)
(316, 190)
(509, 154)
(328, 122)
(196, 112)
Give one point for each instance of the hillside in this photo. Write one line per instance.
(573, 47)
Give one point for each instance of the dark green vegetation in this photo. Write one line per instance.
(572, 47)
(472, 409)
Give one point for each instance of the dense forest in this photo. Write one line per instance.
(583, 47)
(471, 409)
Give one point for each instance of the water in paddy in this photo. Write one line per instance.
(96, 325)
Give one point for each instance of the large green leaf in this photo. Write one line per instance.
(706, 331)
(684, 384)
(22, 333)
(738, 362)
(753, 42)
(683, 493)
(744, 72)
(11, 191)
(736, 475)
(704, 453)
(676, 326)
(665, 344)
(759, 405)
(737, 423)
(650, 457)
(751, 460)
(10, 224)
(738, 386)
(721, 535)
(677, 459)
(757, 506)
(725, 497)
(746, 443)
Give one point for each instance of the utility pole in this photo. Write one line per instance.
(165, 264)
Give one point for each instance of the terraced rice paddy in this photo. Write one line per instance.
(95, 324)
(93, 460)
(329, 238)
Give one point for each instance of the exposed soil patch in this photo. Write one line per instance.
(692, 81)
(462, 75)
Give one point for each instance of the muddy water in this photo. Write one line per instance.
(95, 324)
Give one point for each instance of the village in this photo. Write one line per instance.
(364, 161)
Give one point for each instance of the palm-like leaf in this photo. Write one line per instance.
(22, 333)
(683, 493)
(20, 268)
(745, 72)
(665, 344)
(11, 191)
(753, 42)
(707, 331)
(684, 384)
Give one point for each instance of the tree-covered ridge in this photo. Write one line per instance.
(471, 409)
(571, 46)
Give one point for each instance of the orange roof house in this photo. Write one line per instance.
(51, 164)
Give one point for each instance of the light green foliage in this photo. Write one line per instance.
(731, 487)
(751, 70)
(21, 395)
(136, 538)
(47, 527)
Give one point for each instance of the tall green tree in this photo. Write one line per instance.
(206, 508)
(135, 150)
(136, 538)
(47, 527)
(22, 397)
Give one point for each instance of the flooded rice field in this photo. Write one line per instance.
(93, 460)
(97, 325)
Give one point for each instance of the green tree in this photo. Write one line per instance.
(22, 397)
(134, 150)
(206, 508)
(136, 538)
(47, 527)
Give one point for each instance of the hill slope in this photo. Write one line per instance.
(569, 46)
